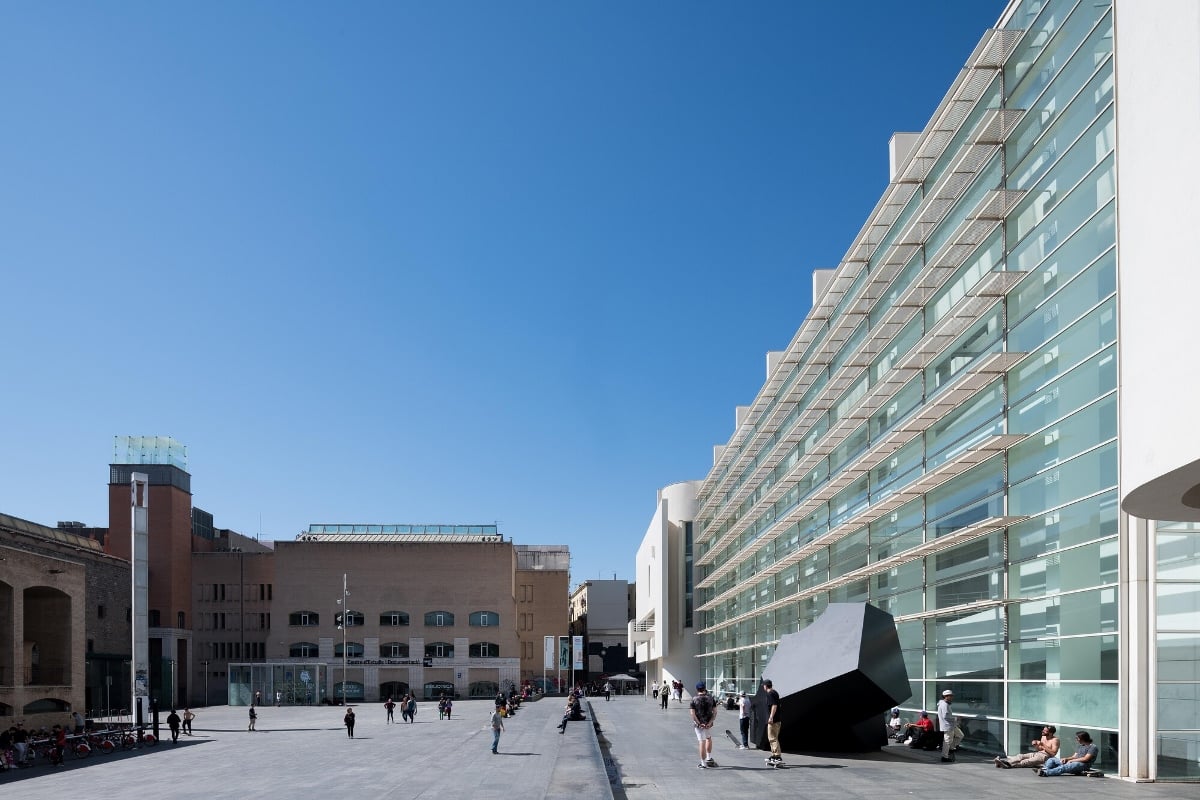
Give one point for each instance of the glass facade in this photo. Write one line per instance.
(940, 439)
(1177, 563)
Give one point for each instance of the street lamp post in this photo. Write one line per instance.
(205, 665)
(345, 622)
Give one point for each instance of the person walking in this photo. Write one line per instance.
(391, 707)
(349, 722)
(497, 726)
(774, 724)
(607, 691)
(744, 720)
(173, 721)
(948, 722)
(188, 716)
(253, 717)
(654, 689)
(411, 708)
(703, 709)
(664, 696)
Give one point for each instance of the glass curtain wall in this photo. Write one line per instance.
(1013, 479)
(1178, 640)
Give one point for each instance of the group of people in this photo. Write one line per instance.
(1043, 758)
(176, 722)
(703, 710)
(15, 744)
(408, 708)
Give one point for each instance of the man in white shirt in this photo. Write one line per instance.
(948, 722)
(744, 720)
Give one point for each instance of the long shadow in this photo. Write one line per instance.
(506, 753)
(71, 763)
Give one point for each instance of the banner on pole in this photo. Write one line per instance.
(577, 652)
(564, 652)
(549, 658)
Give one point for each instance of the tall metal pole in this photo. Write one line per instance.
(345, 624)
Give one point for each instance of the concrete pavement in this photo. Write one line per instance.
(639, 752)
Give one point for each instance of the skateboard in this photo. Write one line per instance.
(775, 764)
(733, 738)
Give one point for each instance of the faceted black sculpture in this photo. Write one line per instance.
(836, 680)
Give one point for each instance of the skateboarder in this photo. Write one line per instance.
(773, 724)
(704, 714)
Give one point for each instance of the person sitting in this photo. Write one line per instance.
(1043, 749)
(1081, 762)
(920, 732)
(895, 726)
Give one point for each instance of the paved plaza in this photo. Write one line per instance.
(649, 752)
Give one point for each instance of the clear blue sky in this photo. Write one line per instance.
(435, 262)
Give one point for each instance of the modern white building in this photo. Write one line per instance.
(989, 402)
(662, 634)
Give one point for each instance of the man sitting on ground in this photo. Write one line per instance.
(1043, 748)
(920, 731)
(1083, 760)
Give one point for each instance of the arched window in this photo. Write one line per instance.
(484, 619)
(393, 619)
(46, 705)
(439, 619)
(353, 650)
(302, 650)
(439, 650)
(485, 650)
(393, 650)
(304, 619)
(354, 618)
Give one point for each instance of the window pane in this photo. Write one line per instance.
(1084, 567)
(1093, 518)
(1076, 659)
(1085, 705)
(1179, 606)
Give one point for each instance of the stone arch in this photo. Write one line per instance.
(47, 644)
(46, 705)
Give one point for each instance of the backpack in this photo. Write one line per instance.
(703, 703)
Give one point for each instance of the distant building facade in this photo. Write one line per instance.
(600, 613)
(542, 578)
(431, 609)
(662, 632)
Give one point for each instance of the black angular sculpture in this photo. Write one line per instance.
(836, 680)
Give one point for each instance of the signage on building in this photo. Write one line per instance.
(391, 662)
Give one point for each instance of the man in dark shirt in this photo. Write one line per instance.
(1083, 760)
(703, 709)
(774, 724)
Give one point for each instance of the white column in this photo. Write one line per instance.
(1139, 668)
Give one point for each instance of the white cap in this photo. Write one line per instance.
(947, 693)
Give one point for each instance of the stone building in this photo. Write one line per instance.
(64, 624)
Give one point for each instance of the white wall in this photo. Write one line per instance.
(1158, 240)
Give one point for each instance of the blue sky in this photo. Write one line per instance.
(439, 262)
